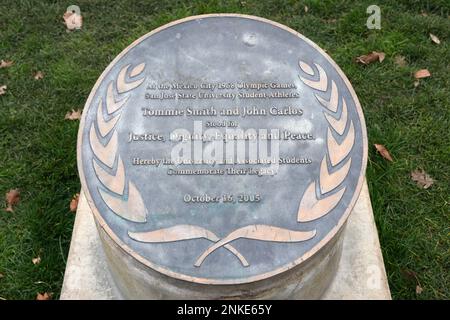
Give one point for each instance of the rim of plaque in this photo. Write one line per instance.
(323, 202)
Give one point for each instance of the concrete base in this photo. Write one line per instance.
(360, 274)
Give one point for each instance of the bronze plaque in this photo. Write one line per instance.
(222, 149)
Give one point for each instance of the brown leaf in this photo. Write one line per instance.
(36, 260)
(422, 178)
(74, 202)
(435, 39)
(73, 115)
(383, 151)
(371, 57)
(400, 61)
(12, 198)
(38, 75)
(422, 73)
(409, 274)
(44, 296)
(419, 289)
(6, 64)
(72, 20)
(3, 90)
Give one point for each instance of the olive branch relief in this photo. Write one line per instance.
(123, 199)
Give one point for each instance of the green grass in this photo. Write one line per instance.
(38, 147)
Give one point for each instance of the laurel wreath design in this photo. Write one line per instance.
(317, 202)
(319, 198)
(122, 198)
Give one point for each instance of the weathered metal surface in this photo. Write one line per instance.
(235, 222)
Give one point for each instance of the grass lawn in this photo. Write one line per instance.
(38, 147)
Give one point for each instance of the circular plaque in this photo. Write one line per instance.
(222, 149)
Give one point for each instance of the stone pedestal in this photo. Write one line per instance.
(221, 156)
(360, 273)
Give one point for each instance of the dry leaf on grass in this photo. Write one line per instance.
(435, 39)
(381, 56)
(72, 20)
(44, 296)
(400, 61)
(371, 57)
(419, 289)
(383, 151)
(422, 73)
(38, 75)
(73, 115)
(409, 274)
(416, 83)
(74, 202)
(36, 260)
(12, 198)
(3, 90)
(306, 9)
(6, 64)
(422, 178)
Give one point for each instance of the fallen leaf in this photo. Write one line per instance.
(2, 90)
(6, 64)
(422, 178)
(400, 61)
(73, 115)
(12, 198)
(424, 14)
(36, 260)
(72, 20)
(422, 73)
(38, 75)
(416, 83)
(371, 57)
(419, 289)
(435, 39)
(409, 274)
(306, 9)
(44, 296)
(383, 151)
(74, 202)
